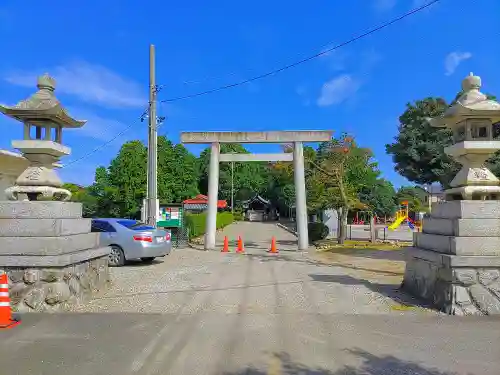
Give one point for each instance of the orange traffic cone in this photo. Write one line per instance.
(273, 250)
(240, 248)
(225, 249)
(6, 320)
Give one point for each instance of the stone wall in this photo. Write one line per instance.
(53, 289)
(52, 258)
(453, 290)
(455, 261)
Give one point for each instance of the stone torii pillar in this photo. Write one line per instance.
(213, 196)
(300, 195)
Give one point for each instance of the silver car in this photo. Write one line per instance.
(131, 239)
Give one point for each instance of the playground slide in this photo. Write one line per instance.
(397, 223)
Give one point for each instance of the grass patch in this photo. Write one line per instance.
(400, 307)
(327, 245)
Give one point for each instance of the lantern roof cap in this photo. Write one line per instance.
(472, 103)
(42, 108)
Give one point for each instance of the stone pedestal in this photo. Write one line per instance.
(51, 257)
(455, 261)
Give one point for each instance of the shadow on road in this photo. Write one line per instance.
(370, 365)
(284, 258)
(287, 243)
(140, 263)
(392, 291)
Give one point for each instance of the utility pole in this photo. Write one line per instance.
(152, 180)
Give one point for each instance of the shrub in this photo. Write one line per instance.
(238, 215)
(224, 219)
(317, 231)
(197, 222)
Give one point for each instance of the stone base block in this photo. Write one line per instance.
(60, 260)
(457, 285)
(466, 209)
(458, 245)
(52, 289)
(43, 246)
(462, 227)
(43, 227)
(40, 210)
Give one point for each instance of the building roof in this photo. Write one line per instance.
(257, 198)
(16, 157)
(203, 199)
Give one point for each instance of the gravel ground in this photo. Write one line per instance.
(258, 314)
(190, 281)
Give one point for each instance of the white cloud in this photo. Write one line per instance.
(97, 127)
(88, 82)
(453, 60)
(338, 90)
(384, 5)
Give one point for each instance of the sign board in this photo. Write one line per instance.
(170, 217)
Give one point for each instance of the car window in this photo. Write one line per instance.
(94, 227)
(102, 226)
(135, 225)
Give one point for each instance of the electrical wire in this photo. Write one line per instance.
(307, 59)
(98, 148)
(158, 88)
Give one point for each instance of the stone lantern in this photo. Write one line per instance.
(454, 263)
(44, 118)
(51, 256)
(475, 122)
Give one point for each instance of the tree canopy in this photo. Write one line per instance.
(418, 149)
(339, 174)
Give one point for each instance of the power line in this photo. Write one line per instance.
(99, 147)
(307, 59)
(158, 88)
(144, 116)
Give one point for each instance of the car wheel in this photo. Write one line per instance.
(116, 256)
(148, 259)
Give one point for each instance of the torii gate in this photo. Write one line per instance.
(297, 138)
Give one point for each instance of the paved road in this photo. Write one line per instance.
(211, 313)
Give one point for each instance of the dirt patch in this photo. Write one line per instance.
(372, 264)
(379, 268)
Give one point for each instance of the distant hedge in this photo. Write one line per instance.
(197, 222)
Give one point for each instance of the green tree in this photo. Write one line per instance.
(281, 186)
(380, 198)
(127, 175)
(340, 171)
(418, 149)
(248, 178)
(177, 172)
(81, 194)
(415, 197)
(104, 199)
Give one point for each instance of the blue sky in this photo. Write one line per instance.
(98, 52)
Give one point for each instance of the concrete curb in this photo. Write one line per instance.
(287, 229)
